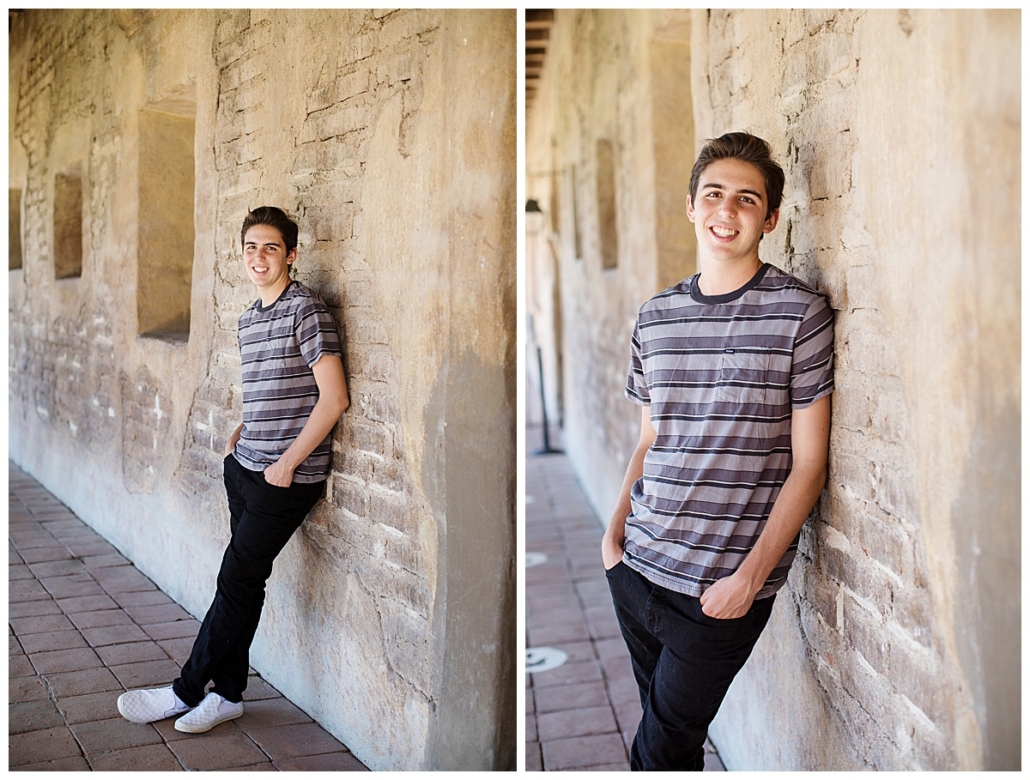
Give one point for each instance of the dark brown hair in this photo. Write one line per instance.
(273, 217)
(750, 149)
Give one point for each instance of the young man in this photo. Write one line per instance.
(733, 368)
(276, 464)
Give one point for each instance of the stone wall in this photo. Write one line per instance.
(895, 644)
(609, 82)
(400, 172)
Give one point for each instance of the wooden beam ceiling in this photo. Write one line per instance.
(538, 35)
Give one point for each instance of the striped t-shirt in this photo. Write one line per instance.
(278, 346)
(721, 375)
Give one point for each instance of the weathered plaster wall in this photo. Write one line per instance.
(609, 76)
(401, 174)
(895, 644)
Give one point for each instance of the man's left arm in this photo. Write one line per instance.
(333, 401)
(731, 597)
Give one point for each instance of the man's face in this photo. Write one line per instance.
(265, 257)
(729, 211)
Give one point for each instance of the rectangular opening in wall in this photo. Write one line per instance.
(166, 229)
(606, 204)
(68, 224)
(14, 228)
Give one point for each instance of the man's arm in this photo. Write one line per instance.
(731, 596)
(333, 400)
(615, 535)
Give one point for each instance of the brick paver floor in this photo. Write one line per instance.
(85, 625)
(583, 714)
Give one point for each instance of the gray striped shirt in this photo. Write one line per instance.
(278, 346)
(721, 375)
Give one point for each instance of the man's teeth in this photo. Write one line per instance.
(724, 232)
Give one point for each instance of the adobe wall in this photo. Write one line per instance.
(401, 174)
(895, 644)
(614, 77)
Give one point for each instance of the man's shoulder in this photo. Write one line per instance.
(303, 298)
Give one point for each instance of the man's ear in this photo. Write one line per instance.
(770, 222)
(292, 256)
(690, 208)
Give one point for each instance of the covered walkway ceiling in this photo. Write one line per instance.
(538, 34)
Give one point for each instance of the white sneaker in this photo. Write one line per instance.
(210, 712)
(146, 706)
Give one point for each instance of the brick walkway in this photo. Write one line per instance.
(583, 714)
(85, 625)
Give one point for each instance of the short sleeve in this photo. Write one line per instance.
(316, 331)
(636, 384)
(811, 373)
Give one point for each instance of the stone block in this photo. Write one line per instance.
(358, 47)
(822, 593)
(338, 120)
(405, 25)
(852, 402)
(832, 55)
(913, 612)
(232, 23)
(354, 465)
(231, 49)
(893, 471)
(865, 632)
(916, 674)
(370, 438)
(402, 551)
(350, 84)
(890, 417)
(379, 405)
(394, 511)
(887, 543)
(865, 336)
(351, 497)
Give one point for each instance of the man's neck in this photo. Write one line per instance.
(268, 297)
(719, 277)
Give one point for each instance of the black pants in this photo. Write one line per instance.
(262, 520)
(684, 662)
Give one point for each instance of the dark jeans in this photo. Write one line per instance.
(262, 520)
(684, 662)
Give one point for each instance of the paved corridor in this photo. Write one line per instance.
(85, 625)
(581, 715)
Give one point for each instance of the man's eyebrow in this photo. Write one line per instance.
(716, 186)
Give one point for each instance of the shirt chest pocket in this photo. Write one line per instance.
(743, 376)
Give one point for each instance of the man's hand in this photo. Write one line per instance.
(233, 439)
(332, 401)
(615, 535)
(279, 475)
(611, 546)
(728, 598)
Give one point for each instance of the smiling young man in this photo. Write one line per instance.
(733, 368)
(276, 464)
